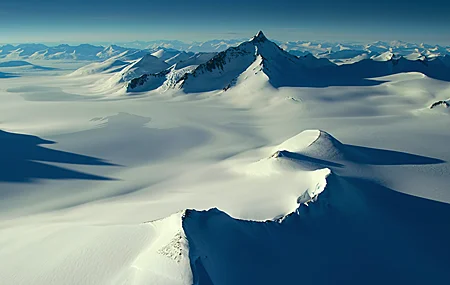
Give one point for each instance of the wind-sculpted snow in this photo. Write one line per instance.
(345, 230)
(357, 232)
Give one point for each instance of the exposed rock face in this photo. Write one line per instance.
(439, 103)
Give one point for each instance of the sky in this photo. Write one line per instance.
(83, 21)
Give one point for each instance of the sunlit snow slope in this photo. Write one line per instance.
(249, 166)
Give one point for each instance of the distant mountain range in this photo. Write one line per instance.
(340, 53)
(259, 62)
(85, 52)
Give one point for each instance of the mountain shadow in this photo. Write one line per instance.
(377, 156)
(22, 63)
(260, 57)
(24, 159)
(357, 232)
(7, 75)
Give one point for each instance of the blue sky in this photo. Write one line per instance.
(120, 20)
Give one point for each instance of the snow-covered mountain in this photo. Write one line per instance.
(351, 52)
(260, 180)
(215, 45)
(170, 77)
(181, 56)
(84, 52)
(165, 53)
(369, 68)
(257, 57)
(152, 69)
(145, 65)
(340, 53)
(111, 65)
(261, 60)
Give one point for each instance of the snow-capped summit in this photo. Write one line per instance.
(258, 57)
(260, 62)
(259, 37)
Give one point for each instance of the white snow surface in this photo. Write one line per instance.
(260, 184)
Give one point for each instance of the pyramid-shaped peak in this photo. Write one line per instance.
(260, 37)
(260, 34)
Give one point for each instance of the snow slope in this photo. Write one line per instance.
(344, 183)
(120, 70)
(114, 64)
(147, 64)
(169, 78)
(264, 59)
(222, 70)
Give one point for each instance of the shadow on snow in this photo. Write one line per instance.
(357, 232)
(22, 159)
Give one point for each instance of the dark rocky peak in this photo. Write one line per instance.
(259, 38)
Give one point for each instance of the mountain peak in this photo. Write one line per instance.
(259, 37)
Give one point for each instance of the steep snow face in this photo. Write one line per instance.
(340, 217)
(280, 66)
(259, 62)
(299, 142)
(354, 233)
(167, 79)
(149, 64)
(163, 80)
(310, 150)
(219, 71)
